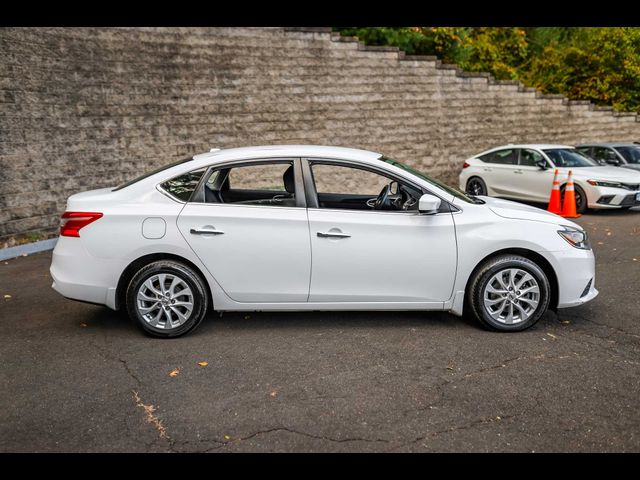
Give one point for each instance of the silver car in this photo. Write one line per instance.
(619, 154)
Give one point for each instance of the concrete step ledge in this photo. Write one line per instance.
(27, 249)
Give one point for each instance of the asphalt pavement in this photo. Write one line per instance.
(82, 378)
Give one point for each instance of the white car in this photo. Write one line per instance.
(313, 228)
(525, 172)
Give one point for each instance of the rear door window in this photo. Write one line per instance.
(501, 157)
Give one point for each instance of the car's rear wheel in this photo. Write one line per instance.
(476, 186)
(581, 199)
(167, 299)
(509, 293)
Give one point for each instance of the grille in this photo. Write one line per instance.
(631, 186)
(629, 201)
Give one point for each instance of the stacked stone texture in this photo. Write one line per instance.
(84, 108)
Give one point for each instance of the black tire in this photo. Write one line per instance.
(477, 185)
(581, 199)
(184, 273)
(480, 280)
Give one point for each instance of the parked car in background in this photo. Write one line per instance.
(313, 228)
(617, 154)
(525, 172)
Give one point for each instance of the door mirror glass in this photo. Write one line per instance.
(542, 164)
(428, 204)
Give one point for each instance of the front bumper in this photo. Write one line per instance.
(605, 197)
(576, 275)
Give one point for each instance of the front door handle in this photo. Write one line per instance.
(518, 171)
(205, 231)
(333, 234)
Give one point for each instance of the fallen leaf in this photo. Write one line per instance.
(635, 259)
(600, 243)
(203, 364)
(247, 317)
(565, 321)
(227, 437)
(7, 296)
(552, 335)
(23, 255)
(6, 263)
(174, 372)
(449, 368)
(274, 393)
(608, 234)
(83, 325)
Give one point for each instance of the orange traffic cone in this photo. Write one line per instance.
(554, 201)
(569, 204)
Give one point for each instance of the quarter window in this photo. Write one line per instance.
(182, 186)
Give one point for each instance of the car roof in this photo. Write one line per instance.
(275, 151)
(539, 146)
(609, 144)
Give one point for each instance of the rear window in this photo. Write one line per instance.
(152, 172)
(501, 157)
(183, 186)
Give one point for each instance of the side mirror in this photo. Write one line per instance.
(542, 164)
(428, 204)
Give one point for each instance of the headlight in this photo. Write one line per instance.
(577, 238)
(598, 183)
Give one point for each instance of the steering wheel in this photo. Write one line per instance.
(383, 202)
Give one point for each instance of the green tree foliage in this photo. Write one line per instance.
(601, 64)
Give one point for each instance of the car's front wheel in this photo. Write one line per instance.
(509, 293)
(167, 299)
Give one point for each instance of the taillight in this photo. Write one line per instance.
(465, 165)
(75, 221)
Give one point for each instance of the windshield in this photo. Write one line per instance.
(630, 154)
(453, 191)
(152, 172)
(569, 158)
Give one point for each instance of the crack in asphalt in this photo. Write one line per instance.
(466, 426)
(104, 353)
(291, 430)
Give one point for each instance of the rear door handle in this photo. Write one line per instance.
(333, 234)
(518, 171)
(205, 231)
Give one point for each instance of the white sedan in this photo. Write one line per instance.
(525, 172)
(313, 228)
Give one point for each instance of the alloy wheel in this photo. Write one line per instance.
(511, 296)
(164, 301)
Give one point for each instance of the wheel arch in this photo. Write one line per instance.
(137, 264)
(476, 176)
(542, 262)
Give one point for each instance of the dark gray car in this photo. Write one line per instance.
(619, 154)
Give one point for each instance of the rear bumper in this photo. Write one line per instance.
(79, 276)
